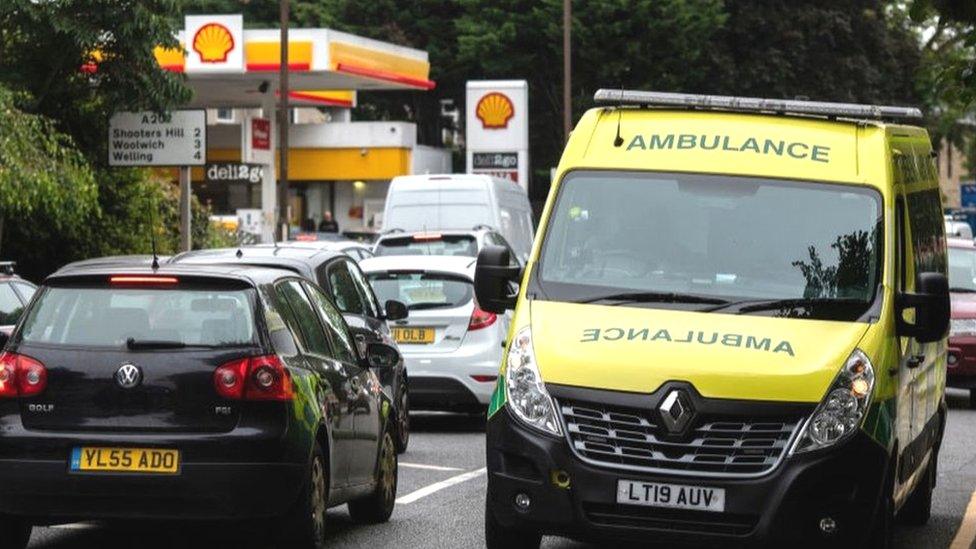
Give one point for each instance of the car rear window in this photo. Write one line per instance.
(108, 317)
(422, 290)
(459, 245)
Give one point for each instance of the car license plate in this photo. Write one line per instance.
(128, 460)
(413, 335)
(672, 496)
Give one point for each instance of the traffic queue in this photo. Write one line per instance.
(730, 327)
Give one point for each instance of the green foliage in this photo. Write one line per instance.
(41, 172)
(830, 50)
(45, 44)
(60, 200)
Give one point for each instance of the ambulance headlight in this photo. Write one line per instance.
(840, 414)
(527, 395)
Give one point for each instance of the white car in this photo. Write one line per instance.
(356, 250)
(452, 348)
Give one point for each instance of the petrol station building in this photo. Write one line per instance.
(333, 163)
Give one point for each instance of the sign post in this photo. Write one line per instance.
(497, 129)
(173, 139)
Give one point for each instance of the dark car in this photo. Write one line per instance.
(191, 392)
(15, 294)
(340, 276)
(961, 359)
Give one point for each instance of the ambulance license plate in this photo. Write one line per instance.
(671, 496)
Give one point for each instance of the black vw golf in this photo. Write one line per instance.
(191, 392)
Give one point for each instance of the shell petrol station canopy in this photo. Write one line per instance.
(229, 66)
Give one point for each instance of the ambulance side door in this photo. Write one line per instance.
(927, 254)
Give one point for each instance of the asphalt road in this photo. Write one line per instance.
(441, 499)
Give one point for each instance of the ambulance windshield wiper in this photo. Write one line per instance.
(754, 305)
(655, 297)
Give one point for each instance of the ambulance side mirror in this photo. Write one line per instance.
(493, 279)
(930, 304)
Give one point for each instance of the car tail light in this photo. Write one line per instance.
(254, 378)
(21, 375)
(481, 319)
(229, 379)
(484, 379)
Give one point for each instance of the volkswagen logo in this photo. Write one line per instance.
(676, 411)
(128, 376)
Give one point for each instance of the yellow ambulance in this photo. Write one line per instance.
(731, 329)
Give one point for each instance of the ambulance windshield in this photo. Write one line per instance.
(734, 241)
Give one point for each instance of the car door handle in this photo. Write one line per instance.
(915, 361)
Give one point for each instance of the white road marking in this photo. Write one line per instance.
(438, 486)
(966, 535)
(431, 467)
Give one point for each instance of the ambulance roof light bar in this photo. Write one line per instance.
(752, 104)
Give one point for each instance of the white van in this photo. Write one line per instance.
(460, 201)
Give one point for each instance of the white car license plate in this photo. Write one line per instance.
(672, 496)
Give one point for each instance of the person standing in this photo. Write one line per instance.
(328, 225)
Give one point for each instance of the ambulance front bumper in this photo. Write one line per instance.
(785, 506)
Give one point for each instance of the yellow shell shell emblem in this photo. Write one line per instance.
(495, 110)
(213, 42)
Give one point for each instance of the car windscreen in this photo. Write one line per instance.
(111, 317)
(420, 290)
(692, 238)
(962, 269)
(455, 245)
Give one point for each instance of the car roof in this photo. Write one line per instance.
(247, 273)
(960, 243)
(429, 263)
(296, 258)
(316, 244)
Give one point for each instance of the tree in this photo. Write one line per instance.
(42, 174)
(828, 50)
(46, 45)
(73, 63)
(952, 45)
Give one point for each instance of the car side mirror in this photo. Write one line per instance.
(395, 310)
(930, 304)
(381, 356)
(4, 337)
(493, 277)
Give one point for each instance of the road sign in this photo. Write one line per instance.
(177, 138)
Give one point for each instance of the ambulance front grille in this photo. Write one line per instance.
(714, 446)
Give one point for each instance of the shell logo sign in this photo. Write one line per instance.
(494, 110)
(213, 42)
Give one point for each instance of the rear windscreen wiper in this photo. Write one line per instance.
(960, 290)
(133, 343)
(422, 306)
(655, 297)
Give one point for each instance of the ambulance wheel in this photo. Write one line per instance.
(15, 532)
(918, 507)
(499, 537)
(883, 530)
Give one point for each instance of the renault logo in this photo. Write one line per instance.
(128, 376)
(676, 411)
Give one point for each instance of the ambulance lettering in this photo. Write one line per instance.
(696, 337)
(754, 145)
